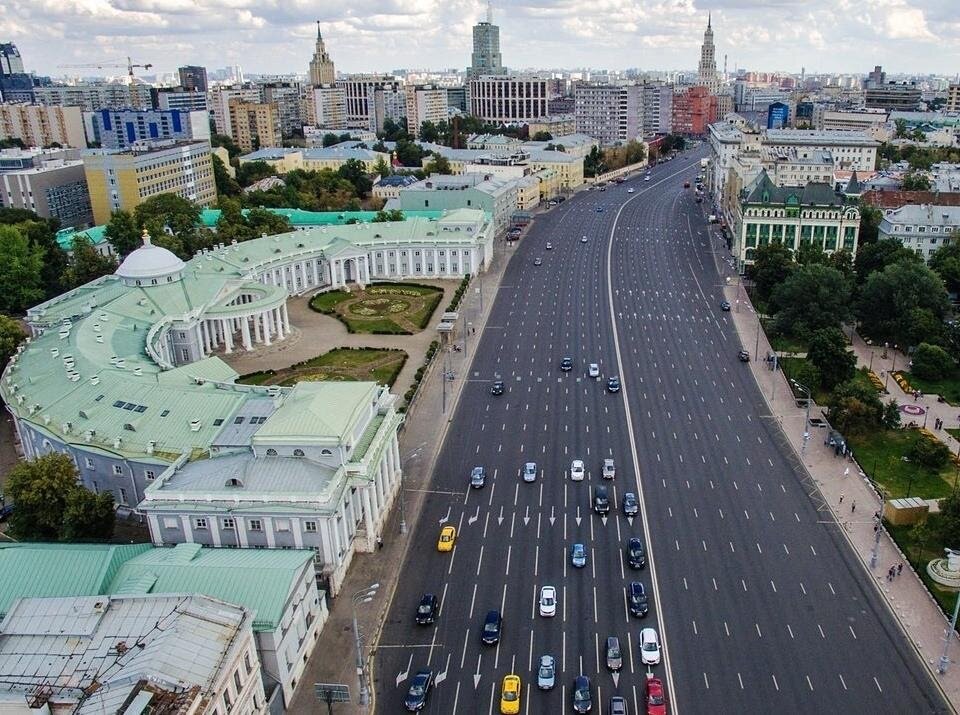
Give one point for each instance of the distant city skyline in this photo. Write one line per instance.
(824, 36)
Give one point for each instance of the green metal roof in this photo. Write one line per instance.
(308, 411)
(258, 579)
(299, 217)
(66, 236)
(31, 570)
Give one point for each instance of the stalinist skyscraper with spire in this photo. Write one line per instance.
(707, 74)
(321, 66)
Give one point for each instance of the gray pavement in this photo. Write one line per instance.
(838, 480)
(423, 433)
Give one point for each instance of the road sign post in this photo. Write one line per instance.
(331, 693)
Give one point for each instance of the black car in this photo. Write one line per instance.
(743, 356)
(492, 624)
(629, 505)
(637, 599)
(427, 610)
(601, 502)
(613, 384)
(419, 689)
(636, 554)
(566, 364)
(725, 306)
(582, 699)
(496, 388)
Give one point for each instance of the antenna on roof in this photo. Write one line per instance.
(489, 12)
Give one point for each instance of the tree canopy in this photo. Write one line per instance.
(828, 351)
(810, 298)
(87, 263)
(11, 335)
(876, 256)
(901, 302)
(21, 279)
(771, 266)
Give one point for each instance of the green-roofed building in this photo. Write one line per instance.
(301, 219)
(279, 587)
(125, 375)
(813, 214)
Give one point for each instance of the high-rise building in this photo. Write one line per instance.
(326, 107)
(694, 110)
(288, 96)
(707, 71)
(953, 98)
(124, 180)
(15, 84)
(486, 58)
(321, 66)
(504, 98)
(371, 99)
(121, 128)
(657, 108)
(54, 188)
(254, 125)
(611, 114)
(193, 78)
(425, 103)
(10, 60)
(219, 101)
(177, 98)
(38, 125)
(91, 96)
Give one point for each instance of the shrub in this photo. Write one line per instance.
(931, 362)
(930, 453)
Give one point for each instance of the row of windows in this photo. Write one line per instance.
(228, 523)
(923, 229)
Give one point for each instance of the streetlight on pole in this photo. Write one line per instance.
(364, 595)
(806, 421)
(876, 540)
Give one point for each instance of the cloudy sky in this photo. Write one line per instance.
(275, 36)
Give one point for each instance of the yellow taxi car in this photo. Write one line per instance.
(448, 536)
(510, 695)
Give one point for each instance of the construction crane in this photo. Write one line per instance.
(109, 64)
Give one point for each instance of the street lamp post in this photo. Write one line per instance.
(806, 421)
(876, 540)
(403, 515)
(947, 637)
(756, 348)
(362, 596)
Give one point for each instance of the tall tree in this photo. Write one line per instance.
(11, 335)
(226, 184)
(41, 234)
(828, 351)
(382, 168)
(387, 216)
(40, 489)
(771, 266)
(811, 297)
(876, 256)
(870, 218)
(87, 264)
(122, 233)
(915, 181)
(21, 276)
(900, 128)
(88, 516)
(250, 172)
(438, 165)
(429, 132)
(355, 171)
(891, 298)
(267, 222)
(543, 136)
(171, 213)
(945, 262)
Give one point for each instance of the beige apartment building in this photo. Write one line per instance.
(254, 125)
(425, 103)
(39, 125)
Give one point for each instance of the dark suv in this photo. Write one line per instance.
(637, 598)
(427, 610)
(566, 364)
(496, 388)
(601, 502)
(630, 506)
(492, 624)
(636, 554)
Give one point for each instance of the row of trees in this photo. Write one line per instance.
(600, 161)
(918, 157)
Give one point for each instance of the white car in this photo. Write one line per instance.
(530, 472)
(593, 370)
(548, 601)
(609, 471)
(583, 239)
(630, 190)
(646, 178)
(577, 471)
(549, 246)
(649, 647)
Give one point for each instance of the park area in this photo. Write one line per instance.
(361, 364)
(381, 308)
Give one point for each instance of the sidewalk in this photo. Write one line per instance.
(834, 479)
(333, 659)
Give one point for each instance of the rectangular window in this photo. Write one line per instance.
(149, 475)
(256, 525)
(88, 462)
(200, 523)
(246, 662)
(117, 469)
(310, 527)
(228, 522)
(236, 681)
(123, 496)
(170, 522)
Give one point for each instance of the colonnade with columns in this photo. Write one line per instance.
(262, 327)
(300, 276)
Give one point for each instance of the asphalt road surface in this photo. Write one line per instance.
(759, 603)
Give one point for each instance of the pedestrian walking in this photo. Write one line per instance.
(853, 506)
(890, 574)
(846, 472)
(841, 498)
(899, 568)
(379, 542)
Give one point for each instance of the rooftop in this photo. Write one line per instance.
(763, 191)
(826, 136)
(925, 214)
(307, 413)
(97, 653)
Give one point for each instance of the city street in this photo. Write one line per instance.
(760, 608)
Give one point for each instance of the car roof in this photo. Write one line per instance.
(493, 615)
(581, 681)
(423, 672)
(546, 658)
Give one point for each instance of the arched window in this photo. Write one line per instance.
(233, 482)
(271, 452)
(298, 453)
(325, 452)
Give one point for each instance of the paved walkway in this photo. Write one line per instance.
(333, 660)
(837, 480)
(315, 333)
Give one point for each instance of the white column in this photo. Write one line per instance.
(256, 328)
(276, 317)
(286, 317)
(378, 483)
(367, 512)
(227, 337)
(266, 327)
(268, 530)
(241, 527)
(436, 262)
(316, 273)
(337, 539)
(245, 331)
(326, 542)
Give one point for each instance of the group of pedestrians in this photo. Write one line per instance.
(894, 571)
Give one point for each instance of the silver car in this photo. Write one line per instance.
(614, 654)
(546, 673)
(530, 472)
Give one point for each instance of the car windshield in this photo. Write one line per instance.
(417, 688)
(656, 699)
(547, 600)
(613, 653)
(510, 695)
(490, 627)
(424, 608)
(546, 671)
(649, 645)
(581, 694)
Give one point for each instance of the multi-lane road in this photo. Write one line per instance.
(758, 600)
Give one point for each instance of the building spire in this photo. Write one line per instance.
(708, 20)
(489, 12)
(319, 36)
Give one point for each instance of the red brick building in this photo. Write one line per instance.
(693, 110)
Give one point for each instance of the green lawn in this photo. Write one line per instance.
(786, 344)
(369, 311)
(327, 302)
(879, 454)
(948, 387)
(382, 366)
(920, 554)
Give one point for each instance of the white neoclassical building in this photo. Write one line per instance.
(123, 375)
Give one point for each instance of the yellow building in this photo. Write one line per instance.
(569, 168)
(549, 183)
(254, 125)
(528, 192)
(124, 180)
(284, 159)
(39, 125)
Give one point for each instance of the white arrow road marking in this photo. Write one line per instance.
(526, 516)
(616, 678)
(443, 676)
(578, 516)
(403, 675)
(552, 517)
(475, 516)
(476, 676)
(500, 518)
(446, 518)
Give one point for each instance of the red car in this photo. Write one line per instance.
(656, 698)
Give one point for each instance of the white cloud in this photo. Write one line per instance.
(365, 35)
